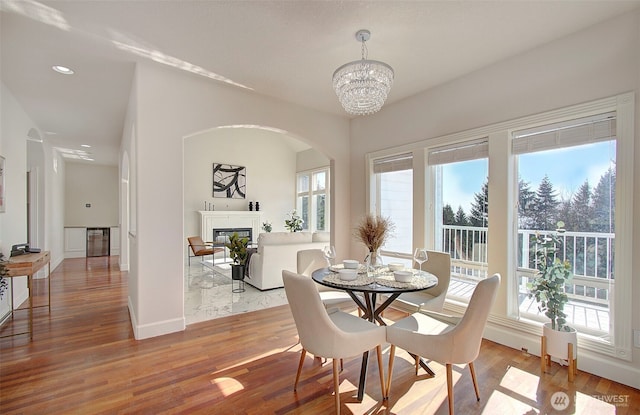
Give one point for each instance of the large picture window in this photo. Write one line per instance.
(312, 199)
(566, 186)
(461, 211)
(573, 165)
(394, 200)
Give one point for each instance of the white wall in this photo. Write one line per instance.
(310, 160)
(163, 117)
(54, 206)
(96, 185)
(599, 62)
(14, 125)
(271, 173)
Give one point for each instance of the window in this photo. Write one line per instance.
(514, 156)
(312, 199)
(567, 181)
(461, 203)
(393, 177)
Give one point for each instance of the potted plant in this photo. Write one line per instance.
(552, 273)
(4, 272)
(294, 222)
(238, 252)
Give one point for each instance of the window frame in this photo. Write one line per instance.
(311, 193)
(503, 226)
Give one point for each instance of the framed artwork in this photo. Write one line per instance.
(229, 181)
(3, 201)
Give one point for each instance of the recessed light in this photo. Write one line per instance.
(62, 69)
(85, 145)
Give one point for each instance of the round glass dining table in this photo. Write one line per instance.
(368, 286)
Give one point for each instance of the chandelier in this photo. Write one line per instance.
(362, 86)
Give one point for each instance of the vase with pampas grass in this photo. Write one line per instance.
(373, 231)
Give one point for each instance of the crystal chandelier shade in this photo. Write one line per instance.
(363, 86)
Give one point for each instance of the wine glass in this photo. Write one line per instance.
(330, 253)
(420, 256)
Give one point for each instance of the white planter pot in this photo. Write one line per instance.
(558, 342)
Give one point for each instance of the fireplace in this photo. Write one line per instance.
(222, 234)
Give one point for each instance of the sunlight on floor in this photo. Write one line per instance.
(502, 403)
(521, 383)
(227, 386)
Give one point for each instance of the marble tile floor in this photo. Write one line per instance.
(208, 295)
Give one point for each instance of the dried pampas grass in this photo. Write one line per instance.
(373, 231)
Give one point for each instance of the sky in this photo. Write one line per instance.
(567, 169)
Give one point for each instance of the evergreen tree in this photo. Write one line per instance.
(545, 206)
(564, 213)
(526, 199)
(578, 218)
(479, 215)
(604, 202)
(448, 217)
(461, 218)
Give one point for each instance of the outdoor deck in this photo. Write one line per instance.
(594, 317)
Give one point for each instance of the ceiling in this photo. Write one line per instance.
(285, 49)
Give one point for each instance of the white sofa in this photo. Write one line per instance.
(278, 251)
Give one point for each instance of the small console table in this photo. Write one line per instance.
(27, 265)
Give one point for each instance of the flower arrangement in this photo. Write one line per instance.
(294, 222)
(266, 226)
(373, 231)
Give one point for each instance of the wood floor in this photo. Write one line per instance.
(84, 360)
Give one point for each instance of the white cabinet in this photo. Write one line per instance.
(115, 240)
(75, 242)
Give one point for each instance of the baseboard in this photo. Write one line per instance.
(158, 328)
(588, 361)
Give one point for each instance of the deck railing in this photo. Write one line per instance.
(589, 253)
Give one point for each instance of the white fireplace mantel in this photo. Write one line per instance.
(210, 219)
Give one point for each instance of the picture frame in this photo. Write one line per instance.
(3, 200)
(229, 181)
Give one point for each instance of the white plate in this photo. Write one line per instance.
(336, 268)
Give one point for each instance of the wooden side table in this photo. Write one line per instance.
(27, 265)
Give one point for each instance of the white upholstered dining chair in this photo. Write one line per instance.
(309, 260)
(445, 340)
(439, 264)
(330, 334)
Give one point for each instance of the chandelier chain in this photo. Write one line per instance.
(365, 50)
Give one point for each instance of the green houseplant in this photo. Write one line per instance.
(558, 339)
(551, 276)
(294, 222)
(238, 252)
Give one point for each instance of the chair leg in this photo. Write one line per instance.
(392, 355)
(336, 385)
(450, 387)
(473, 378)
(543, 355)
(572, 363)
(302, 355)
(381, 370)
(417, 363)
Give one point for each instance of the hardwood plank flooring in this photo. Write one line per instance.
(84, 360)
